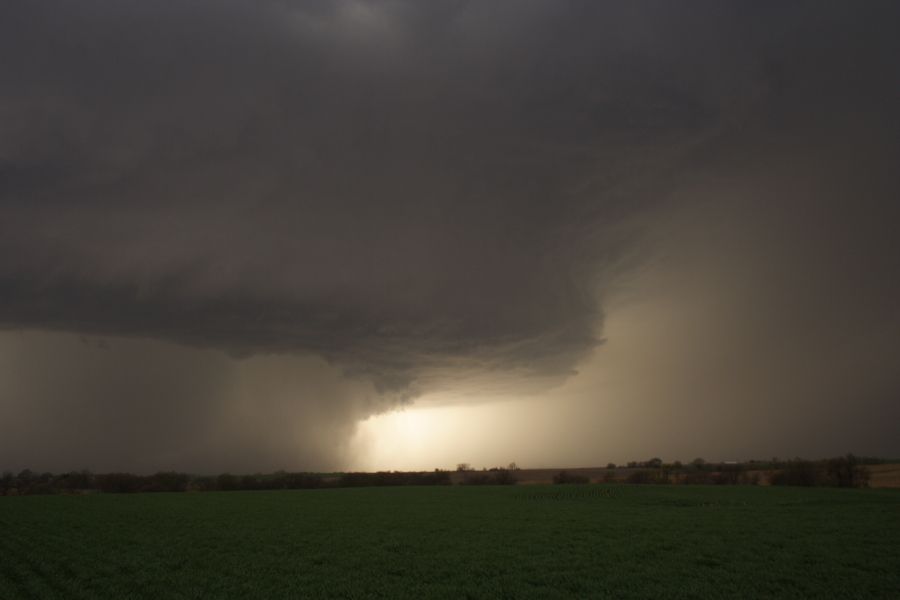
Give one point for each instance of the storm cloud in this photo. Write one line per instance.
(352, 204)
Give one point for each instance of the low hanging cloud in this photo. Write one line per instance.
(397, 198)
(71, 402)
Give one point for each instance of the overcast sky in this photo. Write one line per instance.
(239, 235)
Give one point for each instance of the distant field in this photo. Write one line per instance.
(885, 475)
(456, 542)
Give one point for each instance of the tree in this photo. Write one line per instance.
(505, 477)
(167, 481)
(118, 483)
(797, 472)
(463, 467)
(226, 482)
(729, 474)
(77, 480)
(845, 471)
(6, 483)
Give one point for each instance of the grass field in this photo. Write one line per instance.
(456, 542)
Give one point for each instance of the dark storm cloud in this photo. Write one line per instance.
(284, 177)
(419, 192)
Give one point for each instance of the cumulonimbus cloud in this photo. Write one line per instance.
(412, 192)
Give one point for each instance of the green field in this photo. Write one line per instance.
(456, 542)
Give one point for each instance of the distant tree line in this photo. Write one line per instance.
(842, 471)
(28, 482)
(494, 476)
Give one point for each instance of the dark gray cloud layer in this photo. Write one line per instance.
(417, 192)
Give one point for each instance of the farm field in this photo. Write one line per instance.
(535, 541)
(887, 475)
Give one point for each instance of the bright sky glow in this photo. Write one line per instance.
(425, 438)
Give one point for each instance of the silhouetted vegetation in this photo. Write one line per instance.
(118, 483)
(505, 477)
(384, 478)
(842, 471)
(728, 474)
(847, 471)
(798, 472)
(653, 463)
(30, 483)
(564, 477)
(646, 476)
(496, 476)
